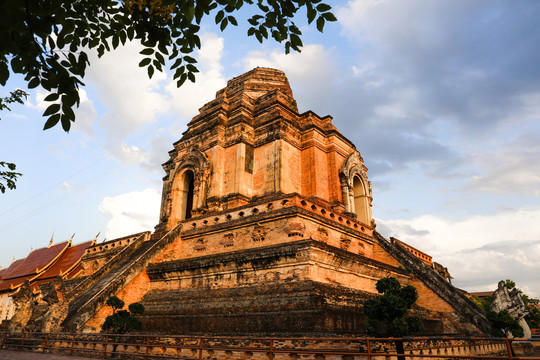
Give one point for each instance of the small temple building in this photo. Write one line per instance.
(41, 266)
(265, 228)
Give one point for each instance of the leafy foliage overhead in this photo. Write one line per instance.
(47, 40)
(9, 177)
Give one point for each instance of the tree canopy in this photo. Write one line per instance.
(47, 41)
(502, 324)
(390, 310)
(122, 321)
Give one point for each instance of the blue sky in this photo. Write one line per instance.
(441, 98)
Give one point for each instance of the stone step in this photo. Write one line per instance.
(464, 306)
(88, 302)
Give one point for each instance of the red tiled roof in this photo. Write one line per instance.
(69, 259)
(14, 265)
(43, 265)
(38, 260)
(75, 271)
(12, 283)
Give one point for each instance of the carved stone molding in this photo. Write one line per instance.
(259, 233)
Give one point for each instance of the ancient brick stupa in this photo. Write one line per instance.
(265, 228)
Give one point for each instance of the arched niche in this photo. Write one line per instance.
(361, 200)
(184, 205)
(356, 189)
(185, 189)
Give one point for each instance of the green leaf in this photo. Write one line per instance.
(189, 59)
(163, 49)
(54, 108)
(328, 16)
(145, 62)
(16, 64)
(176, 63)
(147, 51)
(311, 14)
(192, 68)
(51, 97)
(123, 37)
(182, 80)
(323, 7)
(320, 23)
(4, 73)
(150, 71)
(232, 20)
(224, 24)
(33, 83)
(160, 58)
(296, 42)
(66, 123)
(68, 112)
(130, 32)
(51, 121)
(219, 16)
(189, 13)
(115, 41)
(51, 43)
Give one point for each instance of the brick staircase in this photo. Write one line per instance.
(87, 298)
(440, 286)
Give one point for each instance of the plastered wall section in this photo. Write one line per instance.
(322, 157)
(249, 236)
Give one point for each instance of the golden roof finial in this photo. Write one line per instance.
(71, 239)
(95, 239)
(51, 241)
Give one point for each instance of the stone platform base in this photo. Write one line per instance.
(290, 308)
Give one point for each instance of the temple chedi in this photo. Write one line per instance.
(265, 228)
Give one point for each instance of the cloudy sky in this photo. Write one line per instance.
(441, 98)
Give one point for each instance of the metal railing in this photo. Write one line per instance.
(147, 346)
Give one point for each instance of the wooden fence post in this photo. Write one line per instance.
(200, 348)
(509, 348)
(368, 345)
(22, 341)
(72, 344)
(147, 347)
(105, 348)
(271, 353)
(3, 341)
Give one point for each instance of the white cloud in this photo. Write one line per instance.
(442, 234)
(131, 212)
(479, 250)
(311, 73)
(132, 99)
(39, 102)
(512, 168)
(85, 115)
